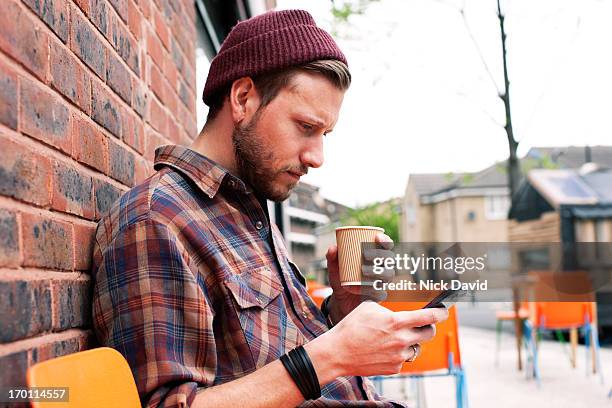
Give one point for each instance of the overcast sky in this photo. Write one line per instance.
(422, 100)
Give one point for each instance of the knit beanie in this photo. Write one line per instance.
(266, 43)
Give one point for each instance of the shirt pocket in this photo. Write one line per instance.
(264, 319)
(254, 288)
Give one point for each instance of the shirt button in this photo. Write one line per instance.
(259, 225)
(232, 183)
(304, 313)
(259, 301)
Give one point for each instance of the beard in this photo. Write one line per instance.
(255, 163)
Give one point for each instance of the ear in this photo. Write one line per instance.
(244, 99)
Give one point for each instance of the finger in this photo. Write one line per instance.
(422, 317)
(370, 254)
(332, 253)
(383, 239)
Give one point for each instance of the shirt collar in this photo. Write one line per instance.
(205, 173)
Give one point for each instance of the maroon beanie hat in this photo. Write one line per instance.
(268, 42)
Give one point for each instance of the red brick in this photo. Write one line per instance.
(186, 97)
(8, 97)
(54, 13)
(45, 116)
(14, 366)
(90, 145)
(155, 50)
(177, 56)
(46, 243)
(9, 238)
(161, 28)
(187, 120)
(106, 109)
(170, 99)
(141, 171)
(71, 304)
(140, 98)
(174, 133)
(121, 163)
(72, 191)
(121, 7)
(83, 4)
(125, 44)
(118, 77)
(156, 82)
(69, 77)
(25, 309)
(157, 116)
(24, 39)
(145, 7)
(24, 175)
(100, 15)
(59, 344)
(134, 19)
(170, 71)
(87, 44)
(106, 194)
(83, 246)
(133, 132)
(152, 141)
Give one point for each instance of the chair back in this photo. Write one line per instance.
(574, 290)
(95, 378)
(435, 355)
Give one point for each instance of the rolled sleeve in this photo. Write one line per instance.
(150, 304)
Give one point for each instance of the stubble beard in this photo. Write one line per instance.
(255, 163)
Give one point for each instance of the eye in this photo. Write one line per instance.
(306, 126)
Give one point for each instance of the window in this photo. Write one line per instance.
(496, 207)
(410, 214)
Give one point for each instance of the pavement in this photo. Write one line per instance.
(502, 385)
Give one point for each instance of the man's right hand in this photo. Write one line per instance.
(373, 340)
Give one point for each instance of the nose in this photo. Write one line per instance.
(312, 155)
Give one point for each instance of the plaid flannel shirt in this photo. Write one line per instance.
(192, 291)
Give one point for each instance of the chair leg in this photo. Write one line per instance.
(574, 344)
(596, 353)
(587, 345)
(459, 389)
(498, 329)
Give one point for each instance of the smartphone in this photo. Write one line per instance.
(445, 299)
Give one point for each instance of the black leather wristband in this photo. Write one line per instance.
(295, 375)
(314, 387)
(300, 368)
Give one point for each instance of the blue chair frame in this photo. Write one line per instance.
(589, 331)
(455, 371)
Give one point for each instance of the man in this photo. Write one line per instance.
(192, 281)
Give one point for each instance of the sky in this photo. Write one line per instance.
(423, 101)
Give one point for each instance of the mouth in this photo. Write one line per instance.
(294, 175)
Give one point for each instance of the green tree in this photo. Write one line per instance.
(385, 215)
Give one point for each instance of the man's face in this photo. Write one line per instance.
(285, 138)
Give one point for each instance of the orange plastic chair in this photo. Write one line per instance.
(439, 357)
(95, 378)
(562, 315)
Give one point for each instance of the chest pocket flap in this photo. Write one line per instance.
(254, 288)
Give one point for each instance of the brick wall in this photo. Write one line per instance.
(88, 90)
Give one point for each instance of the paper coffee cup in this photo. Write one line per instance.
(349, 240)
